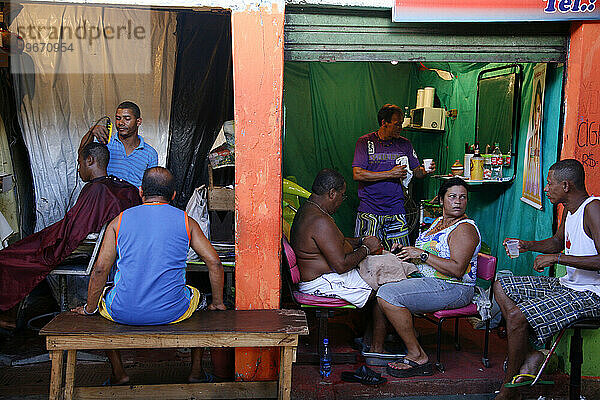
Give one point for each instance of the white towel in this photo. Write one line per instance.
(403, 160)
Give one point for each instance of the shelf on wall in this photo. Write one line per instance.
(411, 129)
(470, 182)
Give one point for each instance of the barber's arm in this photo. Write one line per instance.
(591, 226)
(100, 270)
(97, 131)
(462, 241)
(207, 252)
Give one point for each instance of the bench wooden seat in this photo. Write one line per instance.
(257, 328)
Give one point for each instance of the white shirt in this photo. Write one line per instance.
(578, 243)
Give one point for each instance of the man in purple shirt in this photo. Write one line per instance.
(382, 161)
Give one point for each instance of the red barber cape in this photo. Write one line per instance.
(27, 262)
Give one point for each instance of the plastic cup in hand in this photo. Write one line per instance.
(513, 248)
(427, 164)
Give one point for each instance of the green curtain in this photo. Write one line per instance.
(328, 106)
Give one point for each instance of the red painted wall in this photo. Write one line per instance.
(258, 82)
(581, 139)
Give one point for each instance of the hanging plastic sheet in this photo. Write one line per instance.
(59, 95)
(202, 96)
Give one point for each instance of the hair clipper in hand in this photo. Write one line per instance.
(109, 128)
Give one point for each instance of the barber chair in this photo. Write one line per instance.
(79, 263)
(324, 307)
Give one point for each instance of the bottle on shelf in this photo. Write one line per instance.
(496, 163)
(325, 361)
(467, 161)
(476, 165)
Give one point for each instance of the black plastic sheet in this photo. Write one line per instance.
(202, 97)
(19, 155)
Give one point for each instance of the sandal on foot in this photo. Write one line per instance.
(363, 375)
(414, 370)
(526, 382)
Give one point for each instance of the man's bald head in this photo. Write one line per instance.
(158, 181)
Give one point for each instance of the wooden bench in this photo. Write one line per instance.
(257, 328)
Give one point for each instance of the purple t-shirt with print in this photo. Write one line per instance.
(373, 154)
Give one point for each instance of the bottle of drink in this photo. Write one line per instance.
(476, 165)
(497, 163)
(325, 361)
(467, 161)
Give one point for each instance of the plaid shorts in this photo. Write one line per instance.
(389, 229)
(547, 305)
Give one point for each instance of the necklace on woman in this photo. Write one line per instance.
(319, 207)
(444, 225)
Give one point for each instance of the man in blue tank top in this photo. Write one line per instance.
(150, 243)
(543, 305)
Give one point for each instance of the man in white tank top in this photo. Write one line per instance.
(542, 305)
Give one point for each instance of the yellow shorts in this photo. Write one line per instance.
(194, 301)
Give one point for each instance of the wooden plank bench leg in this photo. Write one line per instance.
(285, 373)
(70, 374)
(56, 374)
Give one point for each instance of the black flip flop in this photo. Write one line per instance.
(364, 375)
(414, 370)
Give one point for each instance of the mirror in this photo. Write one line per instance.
(498, 106)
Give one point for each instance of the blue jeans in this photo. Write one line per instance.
(423, 295)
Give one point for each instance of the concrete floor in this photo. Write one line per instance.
(464, 378)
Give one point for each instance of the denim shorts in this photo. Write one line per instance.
(423, 295)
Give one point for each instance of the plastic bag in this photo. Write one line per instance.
(197, 209)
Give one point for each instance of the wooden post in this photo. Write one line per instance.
(56, 374)
(257, 34)
(70, 374)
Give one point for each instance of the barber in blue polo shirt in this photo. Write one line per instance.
(130, 156)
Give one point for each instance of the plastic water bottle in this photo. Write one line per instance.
(496, 163)
(325, 361)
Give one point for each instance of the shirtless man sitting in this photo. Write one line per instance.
(327, 261)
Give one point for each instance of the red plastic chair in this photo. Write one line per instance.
(324, 307)
(486, 273)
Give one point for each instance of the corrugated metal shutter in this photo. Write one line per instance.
(318, 34)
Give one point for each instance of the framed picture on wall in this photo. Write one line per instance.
(532, 178)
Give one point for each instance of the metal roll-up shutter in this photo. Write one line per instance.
(320, 34)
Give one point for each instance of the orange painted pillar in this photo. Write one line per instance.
(581, 138)
(257, 34)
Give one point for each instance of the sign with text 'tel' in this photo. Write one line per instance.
(494, 10)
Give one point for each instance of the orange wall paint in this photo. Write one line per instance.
(581, 139)
(258, 82)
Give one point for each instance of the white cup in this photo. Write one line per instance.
(427, 164)
(513, 248)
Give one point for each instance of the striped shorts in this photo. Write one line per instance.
(389, 229)
(547, 305)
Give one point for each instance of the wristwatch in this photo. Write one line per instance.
(424, 256)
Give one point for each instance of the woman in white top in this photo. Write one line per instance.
(446, 256)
